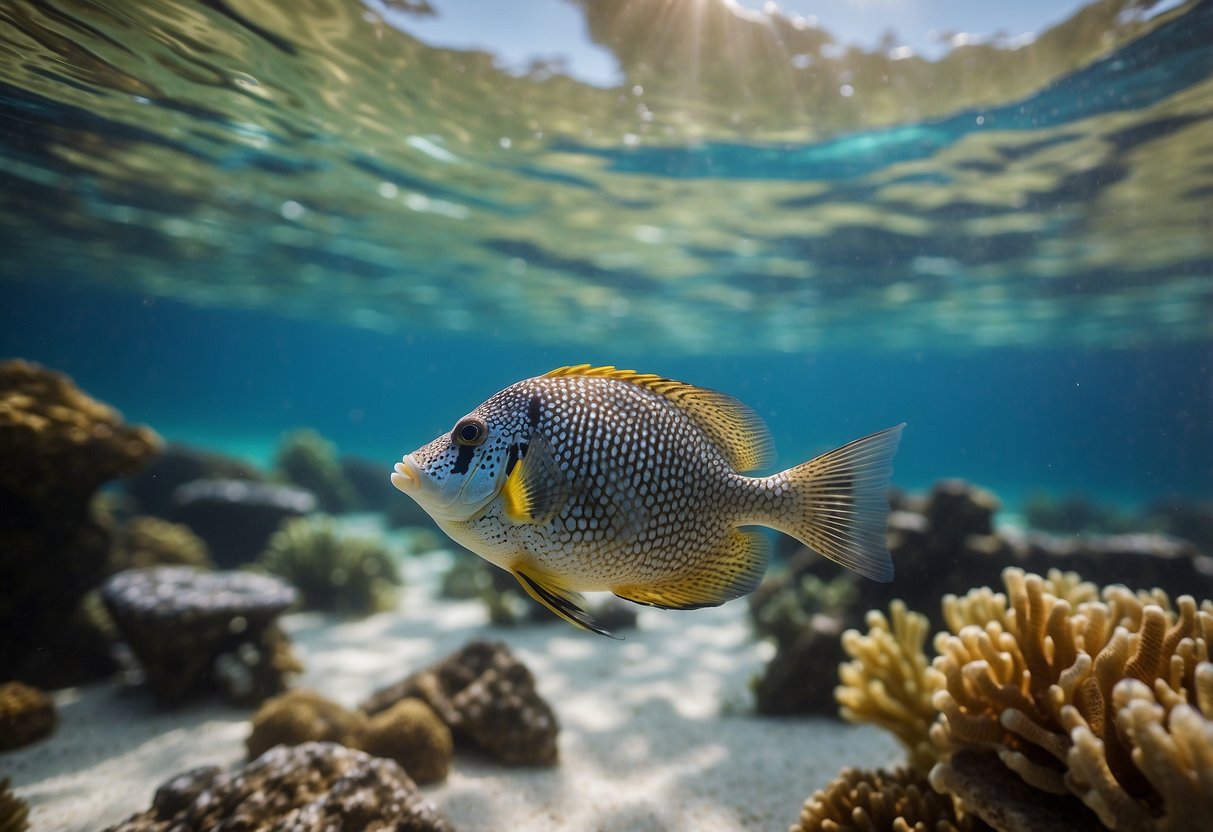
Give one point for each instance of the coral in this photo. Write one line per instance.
(411, 733)
(874, 801)
(237, 518)
(192, 630)
(59, 447)
(800, 678)
(890, 681)
(14, 814)
(154, 486)
(26, 715)
(488, 698)
(306, 788)
(333, 571)
(787, 603)
(149, 541)
(1073, 697)
(300, 716)
(306, 459)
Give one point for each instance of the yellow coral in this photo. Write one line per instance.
(890, 683)
(864, 801)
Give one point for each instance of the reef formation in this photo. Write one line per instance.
(1053, 704)
(26, 715)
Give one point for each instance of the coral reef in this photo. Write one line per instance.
(370, 485)
(866, 801)
(800, 677)
(334, 572)
(194, 630)
(300, 716)
(14, 814)
(890, 682)
(144, 542)
(411, 733)
(59, 447)
(314, 787)
(236, 518)
(307, 460)
(153, 487)
(26, 715)
(488, 698)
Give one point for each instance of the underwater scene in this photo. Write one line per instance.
(609, 415)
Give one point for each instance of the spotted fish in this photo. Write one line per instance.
(592, 478)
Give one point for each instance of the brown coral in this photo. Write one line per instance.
(149, 541)
(14, 814)
(300, 716)
(890, 682)
(26, 715)
(411, 733)
(1035, 682)
(873, 801)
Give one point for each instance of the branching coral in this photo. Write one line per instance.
(1077, 695)
(865, 801)
(890, 682)
(308, 460)
(332, 571)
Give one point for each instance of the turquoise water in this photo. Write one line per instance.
(233, 222)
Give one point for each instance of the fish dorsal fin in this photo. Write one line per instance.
(732, 427)
(564, 602)
(536, 488)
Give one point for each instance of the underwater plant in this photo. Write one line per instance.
(1102, 698)
(150, 541)
(333, 571)
(308, 460)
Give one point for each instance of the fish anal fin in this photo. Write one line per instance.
(562, 601)
(731, 426)
(735, 567)
(536, 489)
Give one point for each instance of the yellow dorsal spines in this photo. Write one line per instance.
(732, 427)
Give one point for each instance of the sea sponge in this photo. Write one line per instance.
(1037, 682)
(333, 571)
(866, 801)
(300, 716)
(14, 814)
(149, 541)
(890, 681)
(308, 460)
(411, 733)
(26, 715)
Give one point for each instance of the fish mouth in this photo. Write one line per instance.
(405, 478)
(441, 503)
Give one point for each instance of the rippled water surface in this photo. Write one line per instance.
(746, 183)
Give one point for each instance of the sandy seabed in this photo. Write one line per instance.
(657, 731)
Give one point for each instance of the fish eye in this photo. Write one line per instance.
(471, 431)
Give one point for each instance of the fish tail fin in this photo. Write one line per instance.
(839, 504)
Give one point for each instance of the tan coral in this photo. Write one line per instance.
(14, 814)
(865, 801)
(890, 682)
(26, 715)
(150, 541)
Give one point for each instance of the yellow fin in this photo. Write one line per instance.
(564, 602)
(732, 569)
(536, 489)
(839, 503)
(732, 427)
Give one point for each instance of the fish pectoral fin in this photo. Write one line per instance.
(735, 567)
(536, 489)
(564, 602)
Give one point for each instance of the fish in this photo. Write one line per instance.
(601, 479)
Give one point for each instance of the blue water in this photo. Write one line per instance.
(1124, 426)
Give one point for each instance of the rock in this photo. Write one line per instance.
(193, 630)
(176, 465)
(236, 518)
(411, 733)
(314, 787)
(488, 698)
(58, 447)
(300, 716)
(801, 678)
(26, 715)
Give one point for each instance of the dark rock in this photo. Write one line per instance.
(801, 678)
(192, 630)
(176, 465)
(236, 517)
(58, 447)
(488, 698)
(1191, 520)
(314, 787)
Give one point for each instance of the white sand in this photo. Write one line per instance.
(657, 731)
